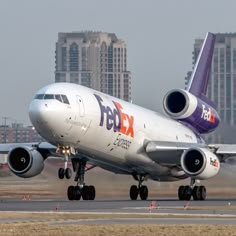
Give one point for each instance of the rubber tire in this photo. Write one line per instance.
(187, 193)
(61, 173)
(85, 193)
(143, 192)
(70, 193)
(68, 173)
(92, 192)
(196, 193)
(77, 193)
(181, 193)
(203, 193)
(133, 192)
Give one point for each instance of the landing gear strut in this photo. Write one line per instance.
(81, 190)
(64, 172)
(188, 191)
(140, 190)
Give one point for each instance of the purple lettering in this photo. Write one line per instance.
(102, 108)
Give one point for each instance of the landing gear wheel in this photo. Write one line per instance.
(143, 192)
(92, 192)
(202, 190)
(85, 193)
(77, 193)
(181, 192)
(70, 193)
(61, 173)
(81, 190)
(68, 173)
(196, 193)
(133, 193)
(187, 192)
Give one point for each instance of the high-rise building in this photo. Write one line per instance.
(222, 82)
(94, 59)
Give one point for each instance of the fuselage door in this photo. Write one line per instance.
(81, 106)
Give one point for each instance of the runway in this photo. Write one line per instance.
(168, 205)
(124, 211)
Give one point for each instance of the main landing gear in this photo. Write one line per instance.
(81, 190)
(188, 191)
(140, 190)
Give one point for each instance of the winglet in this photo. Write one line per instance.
(201, 72)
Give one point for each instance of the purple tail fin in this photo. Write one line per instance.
(200, 76)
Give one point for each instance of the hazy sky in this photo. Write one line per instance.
(159, 36)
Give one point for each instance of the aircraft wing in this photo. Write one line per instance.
(51, 153)
(162, 146)
(225, 151)
(6, 147)
(168, 153)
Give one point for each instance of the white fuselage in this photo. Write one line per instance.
(111, 132)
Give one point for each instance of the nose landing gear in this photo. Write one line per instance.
(64, 172)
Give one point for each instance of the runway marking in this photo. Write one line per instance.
(184, 207)
(157, 208)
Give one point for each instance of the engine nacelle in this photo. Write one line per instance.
(200, 163)
(184, 106)
(25, 162)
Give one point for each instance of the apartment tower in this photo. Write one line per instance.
(97, 60)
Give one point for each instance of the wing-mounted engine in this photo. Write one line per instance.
(25, 162)
(200, 163)
(184, 106)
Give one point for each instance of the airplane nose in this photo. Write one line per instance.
(51, 121)
(39, 113)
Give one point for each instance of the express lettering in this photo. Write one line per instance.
(121, 142)
(207, 114)
(115, 118)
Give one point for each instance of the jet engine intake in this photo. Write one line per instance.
(25, 162)
(179, 103)
(195, 111)
(200, 163)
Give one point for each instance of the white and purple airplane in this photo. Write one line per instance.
(91, 127)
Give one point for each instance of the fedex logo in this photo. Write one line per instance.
(214, 162)
(115, 118)
(207, 114)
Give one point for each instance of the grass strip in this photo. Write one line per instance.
(29, 229)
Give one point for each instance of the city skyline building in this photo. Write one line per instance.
(18, 133)
(222, 80)
(97, 60)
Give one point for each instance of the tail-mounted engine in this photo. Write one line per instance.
(25, 162)
(200, 163)
(184, 106)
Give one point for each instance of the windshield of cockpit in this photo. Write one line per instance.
(60, 97)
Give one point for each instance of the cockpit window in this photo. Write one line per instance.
(60, 97)
(39, 96)
(48, 96)
(65, 99)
